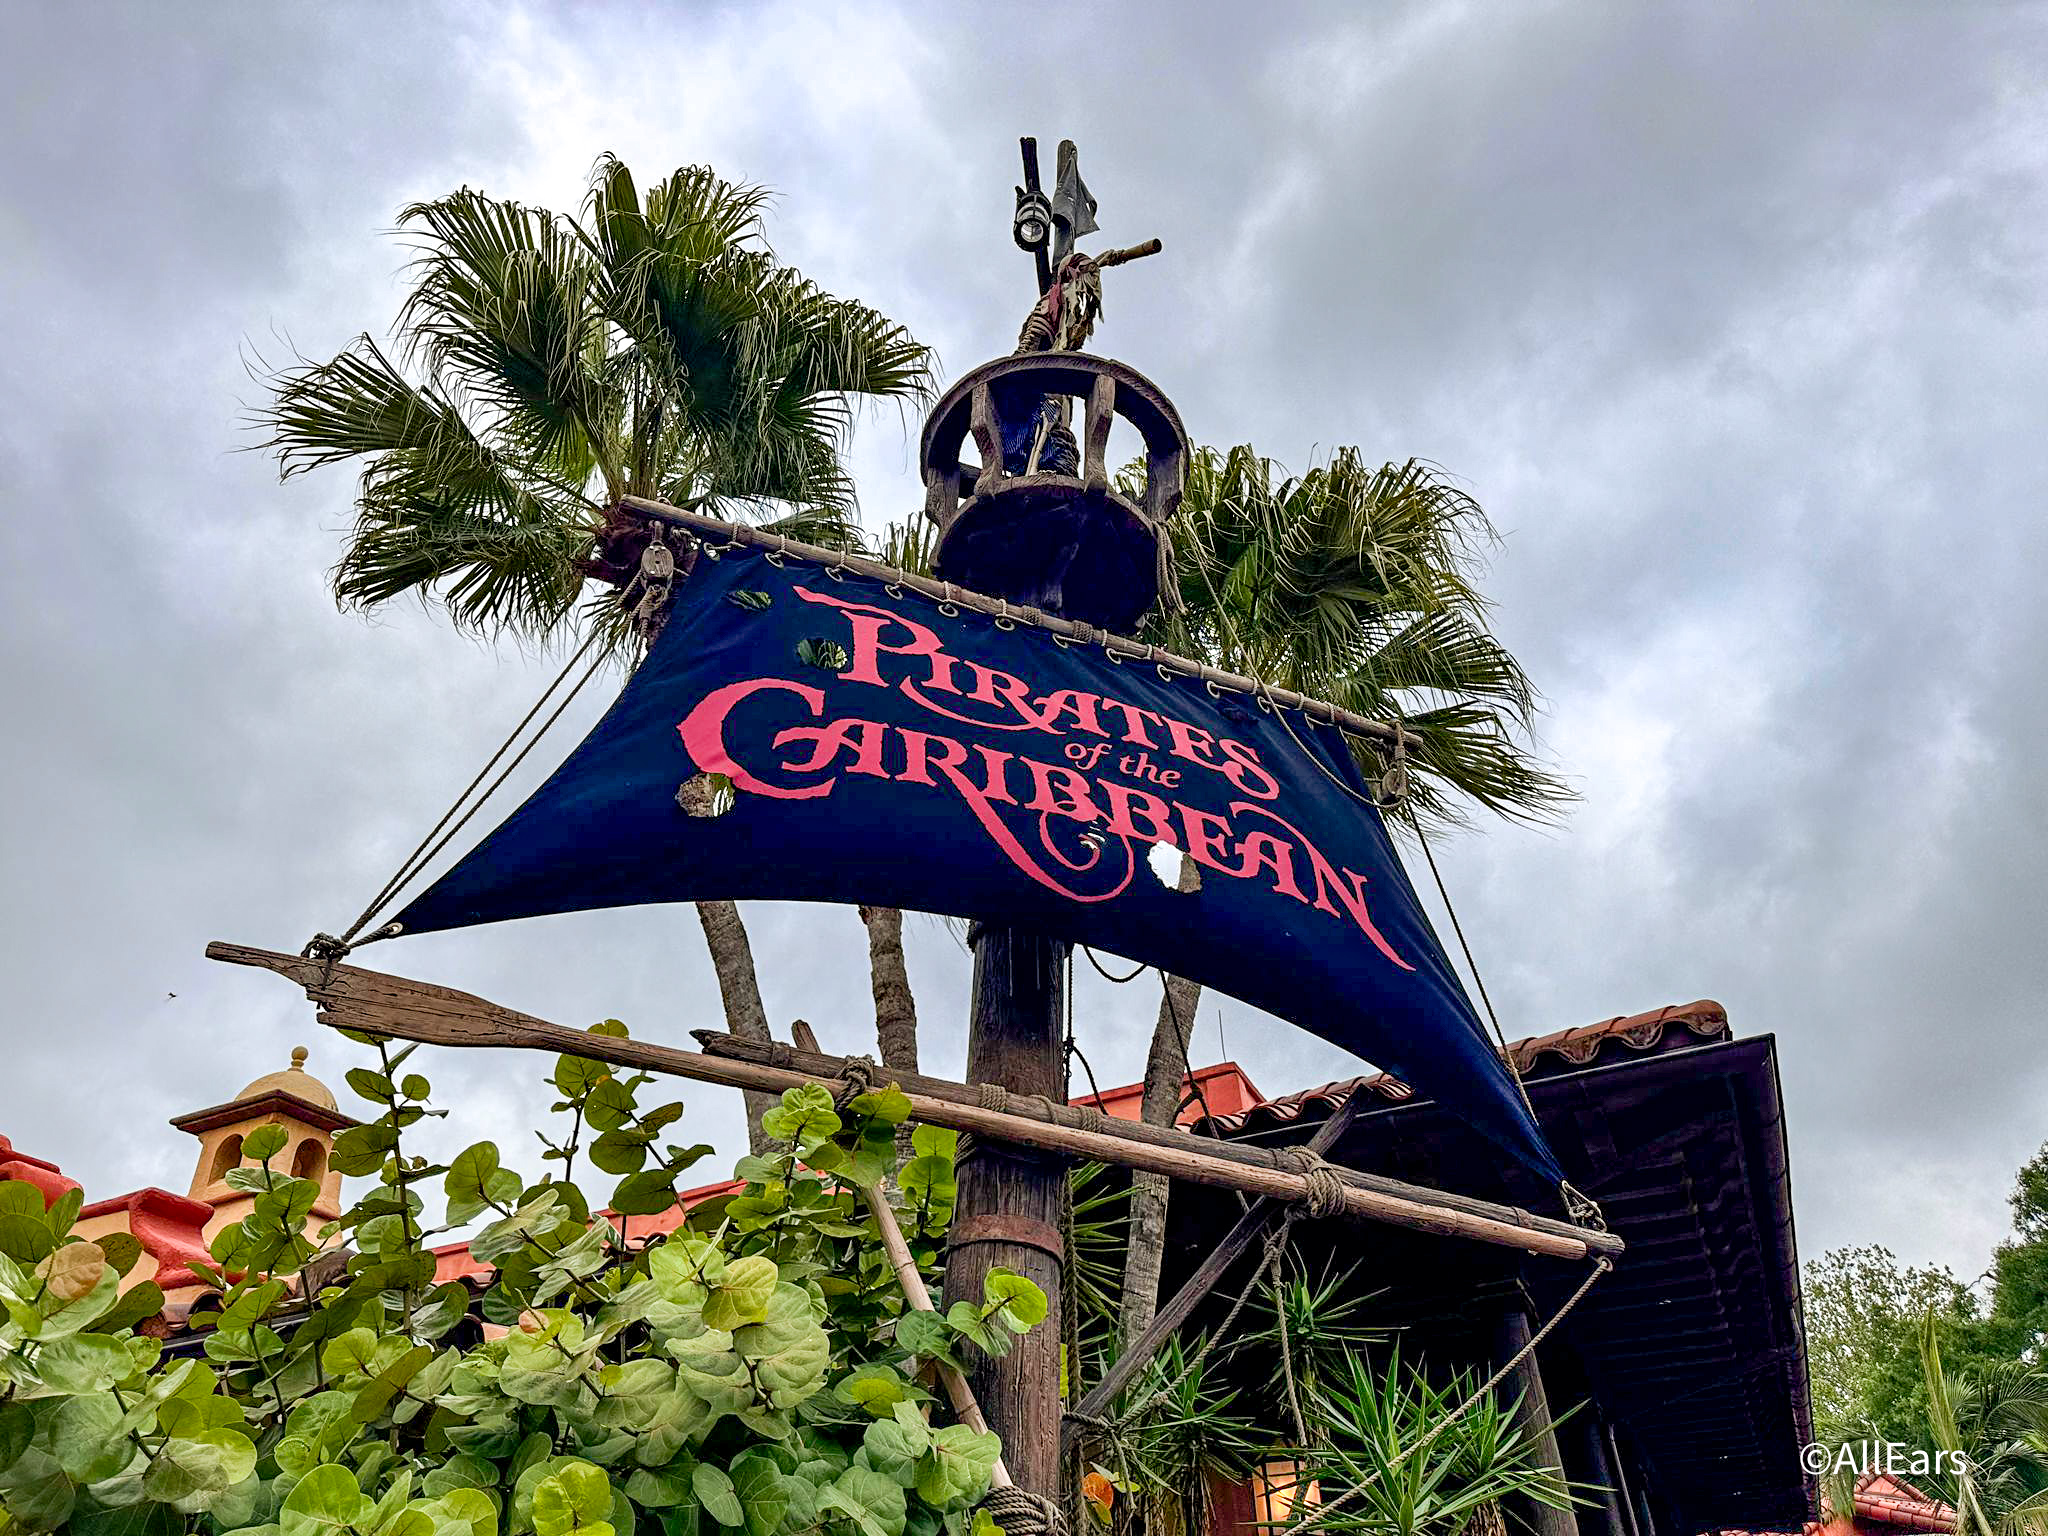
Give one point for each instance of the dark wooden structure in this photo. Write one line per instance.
(1685, 1367)
(1025, 524)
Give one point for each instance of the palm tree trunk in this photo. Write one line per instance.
(895, 1005)
(1166, 1070)
(732, 958)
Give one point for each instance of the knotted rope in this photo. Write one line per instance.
(856, 1077)
(1325, 1188)
(1020, 1513)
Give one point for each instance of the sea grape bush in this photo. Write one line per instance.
(753, 1372)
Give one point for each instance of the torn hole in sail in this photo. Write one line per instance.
(706, 794)
(1172, 868)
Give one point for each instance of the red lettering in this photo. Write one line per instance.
(1134, 728)
(1192, 742)
(1244, 764)
(1262, 850)
(1207, 838)
(917, 759)
(703, 733)
(1124, 800)
(1049, 782)
(863, 736)
(868, 626)
(1070, 701)
(1348, 888)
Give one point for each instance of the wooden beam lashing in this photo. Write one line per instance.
(376, 1003)
(988, 439)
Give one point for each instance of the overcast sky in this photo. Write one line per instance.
(1731, 316)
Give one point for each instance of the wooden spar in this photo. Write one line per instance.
(774, 1053)
(1167, 1320)
(378, 1003)
(965, 1408)
(945, 591)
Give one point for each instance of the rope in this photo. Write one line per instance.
(1020, 1513)
(1136, 972)
(1325, 1187)
(1500, 1035)
(422, 854)
(856, 1077)
(1287, 1346)
(1323, 1512)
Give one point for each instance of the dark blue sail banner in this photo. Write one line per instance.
(883, 748)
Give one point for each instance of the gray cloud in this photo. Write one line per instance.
(1731, 319)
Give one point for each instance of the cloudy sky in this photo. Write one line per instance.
(1732, 317)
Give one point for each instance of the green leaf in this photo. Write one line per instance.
(370, 1084)
(87, 1439)
(620, 1151)
(361, 1149)
(190, 1473)
(266, 1141)
(890, 1105)
(26, 1238)
(121, 1249)
(764, 1493)
(924, 1334)
(958, 1467)
(17, 1429)
(875, 1388)
(323, 1501)
(475, 1183)
(35, 1493)
(84, 1363)
(741, 1294)
(749, 598)
(141, 1300)
(575, 1497)
(1022, 1302)
(645, 1194)
(805, 1116)
(894, 1444)
(873, 1501)
(716, 1493)
(18, 1197)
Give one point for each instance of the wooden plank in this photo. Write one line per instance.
(1250, 1227)
(377, 1003)
(1101, 417)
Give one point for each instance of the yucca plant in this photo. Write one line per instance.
(1379, 1471)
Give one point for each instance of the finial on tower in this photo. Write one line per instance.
(299, 1054)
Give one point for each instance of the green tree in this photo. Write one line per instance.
(1863, 1311)
(1355, 583)
(547, 366)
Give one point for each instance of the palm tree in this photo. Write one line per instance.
(1992, 1428)
(547, 366)
(1352, 583)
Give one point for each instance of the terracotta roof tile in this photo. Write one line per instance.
(1539, 1056)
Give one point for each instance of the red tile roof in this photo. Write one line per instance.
(1638, 1033)
(1884, 1504)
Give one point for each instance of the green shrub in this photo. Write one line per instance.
(753, 1372)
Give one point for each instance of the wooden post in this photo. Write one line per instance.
(1532, 1418)
(1007, 1213)
(1606, 1516)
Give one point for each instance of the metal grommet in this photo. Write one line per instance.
(1264, 703)
(1166, 673)
(892, 589)
(948, 609)
(1110, 654)
(836, 572)
(1214, 691)
(1062, 641)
